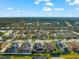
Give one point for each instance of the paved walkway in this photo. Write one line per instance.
(57, 58)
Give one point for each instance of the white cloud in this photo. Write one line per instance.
(10, 8)
(76, 2)
(36, 2)
(77, 8)
(32, 13)
(18, 11)
(73, 2)
(47, 9)
(58, 9)
(49, 4)
(68, 0)
(52, 9)
(41, 0)
(44, 0)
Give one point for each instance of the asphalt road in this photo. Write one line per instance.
(3, 57)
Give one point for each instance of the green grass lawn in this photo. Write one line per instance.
(71, 55)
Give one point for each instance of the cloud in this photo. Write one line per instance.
(68, 0)
(15, 13)
(52, 9)
(42, 0)
(73, 2)
(76, 2)
(49, 4)
(38, 1)
(47, 9)
(58, 9)
(10, 8)
(77, 8)
(18, 11)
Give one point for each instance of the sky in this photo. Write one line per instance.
(39, 8)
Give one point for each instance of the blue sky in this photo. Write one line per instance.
(39, 8)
